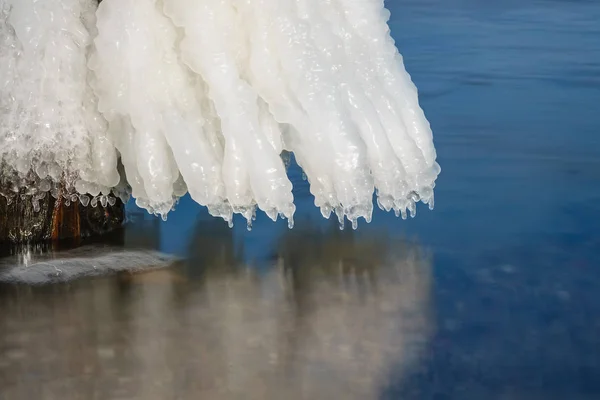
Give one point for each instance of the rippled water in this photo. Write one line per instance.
(492, 295)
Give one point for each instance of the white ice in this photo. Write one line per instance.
(202, 96)
(52, 137)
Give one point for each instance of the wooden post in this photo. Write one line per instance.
(55, 220)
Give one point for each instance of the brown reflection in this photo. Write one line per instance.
(334, 316)
(212, 250)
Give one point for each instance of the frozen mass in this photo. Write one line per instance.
(158, 98)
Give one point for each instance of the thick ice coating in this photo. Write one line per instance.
(52, 137)
(203, 96)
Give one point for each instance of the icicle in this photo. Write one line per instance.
(210, 98)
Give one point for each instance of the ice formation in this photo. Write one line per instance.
(203, 97)
(52, 137)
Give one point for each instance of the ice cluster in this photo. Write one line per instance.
(157, 98)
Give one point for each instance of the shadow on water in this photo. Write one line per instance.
(330, 313)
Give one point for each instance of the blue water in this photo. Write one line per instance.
(512, 90)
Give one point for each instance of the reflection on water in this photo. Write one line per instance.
(333, 315)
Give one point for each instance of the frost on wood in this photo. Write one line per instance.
(204, 97)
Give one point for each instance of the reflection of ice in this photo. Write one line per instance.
(335, 316)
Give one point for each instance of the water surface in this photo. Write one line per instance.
(492, 295)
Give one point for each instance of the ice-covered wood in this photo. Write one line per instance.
(55, 220)
(202, 97)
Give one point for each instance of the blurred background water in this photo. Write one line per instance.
(493, 295)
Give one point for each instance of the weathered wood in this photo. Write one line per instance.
(55, 220)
